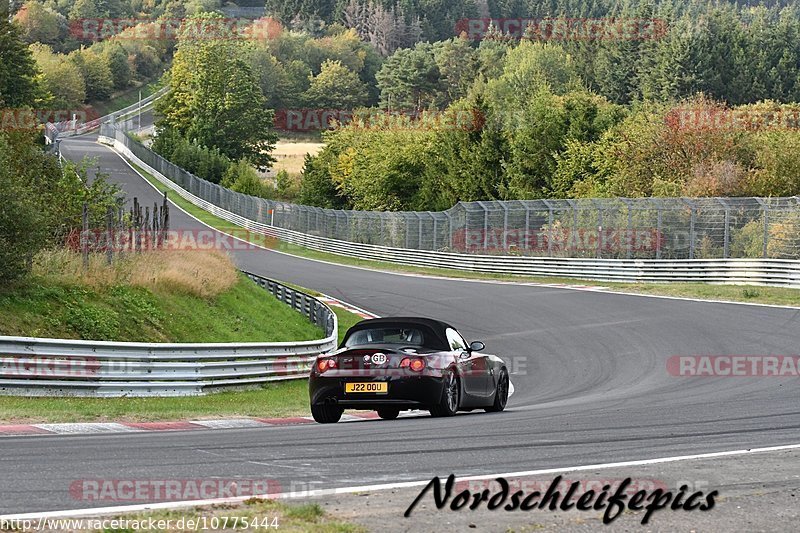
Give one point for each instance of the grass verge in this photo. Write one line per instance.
(734, 293)
(152, 297)
(277, 399)
(267, 515)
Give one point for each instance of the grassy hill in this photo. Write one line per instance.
(153, 297)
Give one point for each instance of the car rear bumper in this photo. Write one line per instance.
(403, 392)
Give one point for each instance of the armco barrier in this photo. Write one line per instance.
(776, 272)
(70, 128)
(53, 367)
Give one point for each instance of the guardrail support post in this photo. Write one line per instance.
(726, 242)
(629, 236)
(599, 233)
(485, 226)
(659, 235)
(505, 226)
(435, 229)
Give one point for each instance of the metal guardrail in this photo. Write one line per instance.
(53, 367)
(778, 272)
(592, 228)
(70, 127)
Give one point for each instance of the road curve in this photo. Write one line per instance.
(589, 371)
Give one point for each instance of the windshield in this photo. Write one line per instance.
(391, 335)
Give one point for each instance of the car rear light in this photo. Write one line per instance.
(325, 364)
(414, 364)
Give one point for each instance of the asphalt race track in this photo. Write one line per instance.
(589, 371)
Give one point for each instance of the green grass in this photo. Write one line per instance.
(294, 518)
(737, 293)
(245, 313)
(278, 399)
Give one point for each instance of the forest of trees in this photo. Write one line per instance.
(41, 200)
(581, 118)
(549, 117)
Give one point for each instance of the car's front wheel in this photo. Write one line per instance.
(388, 413)
(501, 393)
(326, 413)
(448, 405)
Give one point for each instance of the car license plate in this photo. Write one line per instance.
(379, 387)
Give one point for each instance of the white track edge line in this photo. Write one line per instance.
(98, 511)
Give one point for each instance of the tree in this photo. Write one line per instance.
(18, 86)
(96, 74)
(336, 87)
(409, 79)
(117, 60)
(40, 24)
(216, 100)
(61, 79)
(458, 65)
(23, 230)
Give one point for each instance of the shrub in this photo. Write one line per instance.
(241, 177)
(209, 164)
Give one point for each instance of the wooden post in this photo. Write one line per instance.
(85, 236)
(156, 231)
(165, 214)
(147, 227)
(136, 217)
(120, 228)
(109, 235)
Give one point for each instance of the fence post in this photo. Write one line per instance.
(85, 236)
(449, 229)
(435, 229)
(527, 234)
(766, 228)
(109, 238)
(599, 233)
(574, 221)
(629, 235)
(505, 226)
(658, 232)
(726, 249)
(485, 226)
(419, 230)
(549, 227)
(692, 219)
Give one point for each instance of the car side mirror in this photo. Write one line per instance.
(476, 346)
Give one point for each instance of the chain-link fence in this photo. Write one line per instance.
(609, 228)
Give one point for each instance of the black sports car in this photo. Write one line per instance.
(395, 364)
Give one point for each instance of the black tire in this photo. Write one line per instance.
(451, 396)
(326, 413)
(501, 394)
(388, 413)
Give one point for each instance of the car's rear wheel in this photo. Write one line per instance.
(448, 405)
(388, 413)
(501, 394)
(326, 413)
